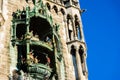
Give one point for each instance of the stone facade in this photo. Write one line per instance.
(66, 19)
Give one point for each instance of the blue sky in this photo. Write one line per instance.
(101, 24)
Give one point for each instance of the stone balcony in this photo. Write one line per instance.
(39, 71)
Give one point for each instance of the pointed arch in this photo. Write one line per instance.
(73, 54)
(76, 19)
(81, 53)
(77, 26)
(69, 16)
(55, 8)
(73, 50)
(62, 11)
(70, 27)
(48, 6)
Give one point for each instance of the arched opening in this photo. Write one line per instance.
(62, 11)
(42, 55)
(77, 26)
(34, 56)
(40, 29)
(70, 27)
(56, 9)
(23, 14)
(22, 58)
(48, 6)
(20, 31)
(81, 53)
(73, 53)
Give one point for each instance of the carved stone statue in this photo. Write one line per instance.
(70, 29)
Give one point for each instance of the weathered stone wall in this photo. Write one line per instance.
(7, 59)
(8, 7)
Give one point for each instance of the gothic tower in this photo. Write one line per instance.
(42, 40)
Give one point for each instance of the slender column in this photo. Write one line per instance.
(28, 49)
(62, 70)
(27, 23)
(14, 31)
(55, 53)
(85, 67)
(70, 2)
(74, 29)
(61, 1)
(27, 28)
(27, 19)
(81, 31)
(66, 30)
(79, 67)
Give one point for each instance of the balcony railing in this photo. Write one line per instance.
(39, 71)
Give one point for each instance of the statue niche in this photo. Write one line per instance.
(82, 57)
(70, 29)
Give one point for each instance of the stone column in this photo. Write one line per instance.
(14, 30)
(27, 19)
(28, 49)
(74, 29)
(66, 30)
(85, 67)
(27, 23)
(79, 67)
(70, 2)
(81, 31)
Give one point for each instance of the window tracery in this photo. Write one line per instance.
(73, 53)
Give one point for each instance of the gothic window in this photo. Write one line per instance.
(73, 53)
(20, 31)
(55, 8)
(48, 6)
(37, 54)
(33, 56)
(70, 26)
(81, 53)
(39, 28)
(77, 26)
(62, 11)
(23, 14)
(21, 58)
